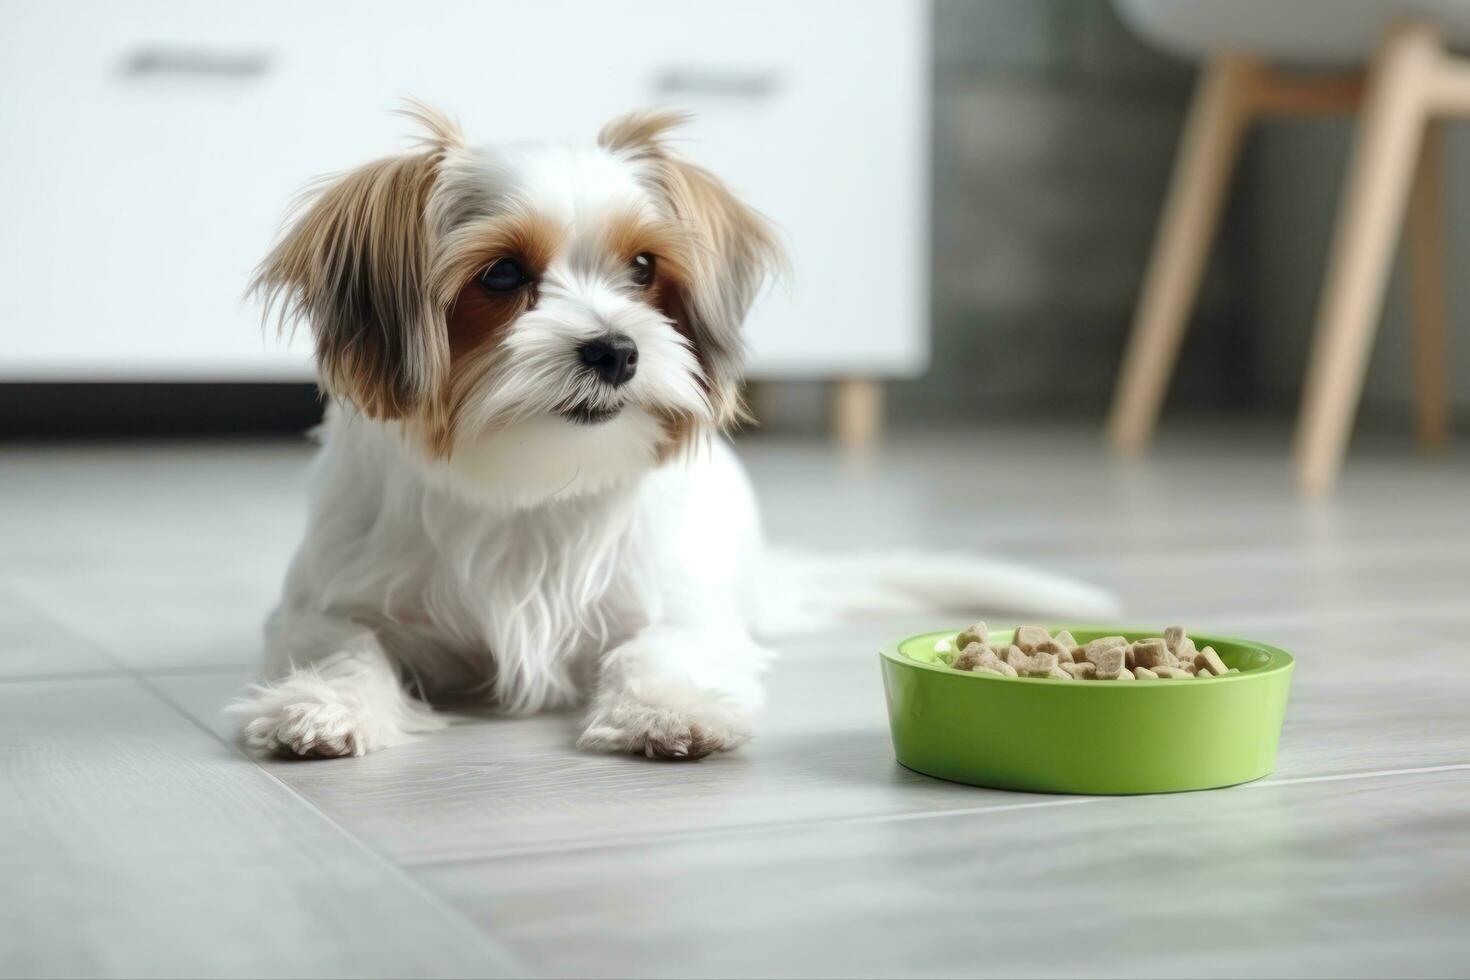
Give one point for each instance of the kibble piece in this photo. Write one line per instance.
(969, 658)
(1173, 637)
(979, 633)
(1109, 663)
(1170, 672)
(1028, 638)
(1209, 658)
(1144, 674)
(1082, 670)
(1233, 670)
(999, 648)
(1066, 639)
(1062, 653)
(1151, 654)
(1168, 651)
(1092, 650)
(1039, 665)
(988, 659)
(1030, 664)
(1059, 673)
(982, 659)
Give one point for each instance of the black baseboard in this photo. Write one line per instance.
(124, 410)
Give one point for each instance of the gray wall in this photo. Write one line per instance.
(1296, 170)
(1053, 133)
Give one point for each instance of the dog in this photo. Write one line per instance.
(522, 494)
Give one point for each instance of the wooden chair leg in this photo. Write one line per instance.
(1207, 153)
(1390, 130)
(1427, 295)
(857, 412)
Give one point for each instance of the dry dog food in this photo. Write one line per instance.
(1033, 651)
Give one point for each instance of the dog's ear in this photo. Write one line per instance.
(734, 249)
(355, 265)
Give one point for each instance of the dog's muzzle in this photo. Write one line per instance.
(613, 360)
(613, 357)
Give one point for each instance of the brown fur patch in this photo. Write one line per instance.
(479, 317)
(629, 235)
(475, 315)
(355, 265)
(440, 428)
(441, 131)
(669, 292)
(733, 250)
(476, 318)
(639, 132)
(533, 239)
(681, 434)
(670, 243)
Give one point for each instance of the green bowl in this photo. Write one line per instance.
(1093, 737)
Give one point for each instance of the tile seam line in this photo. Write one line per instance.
(98, 675)
(397, 872)
(75, 675)
(882, 818)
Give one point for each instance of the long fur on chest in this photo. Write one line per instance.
(509, 604)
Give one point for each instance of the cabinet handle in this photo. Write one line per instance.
(164, 60)
(748, 85)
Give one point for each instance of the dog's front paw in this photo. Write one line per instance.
(678, 725)
(308, 729)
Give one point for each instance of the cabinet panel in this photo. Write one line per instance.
(153, 147)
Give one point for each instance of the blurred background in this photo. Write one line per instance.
(987, 264)
(1014, 153)
(1003, 162)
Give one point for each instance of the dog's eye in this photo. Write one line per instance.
(642, 266)
(503, 276)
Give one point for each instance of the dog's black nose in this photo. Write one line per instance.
(613, 356)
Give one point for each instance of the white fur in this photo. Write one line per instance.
(635, 586)
(543, 563)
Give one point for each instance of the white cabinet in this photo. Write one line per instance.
(152, 148)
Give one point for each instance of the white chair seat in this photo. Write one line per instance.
(1304, 31)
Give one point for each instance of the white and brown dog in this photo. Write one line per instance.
(521, 493)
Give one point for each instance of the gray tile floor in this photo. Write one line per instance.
(134, 840)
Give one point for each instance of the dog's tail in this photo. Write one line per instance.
(801, 591)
